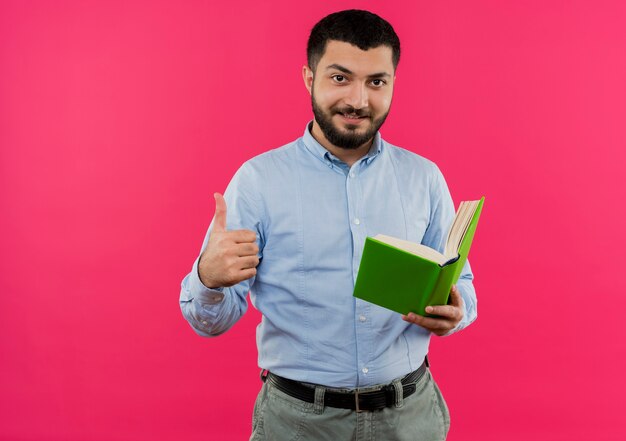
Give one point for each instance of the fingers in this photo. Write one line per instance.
(437, 326)
(235, 242)
(226, 271)
(242, 269)
(246, 249)
(452, 310)
(234, 277)
(446, 316)
(432, 324)
(242, 236)
(219, 222)
(455, 297)
(248, 262)
(446, 311)
(248, 273)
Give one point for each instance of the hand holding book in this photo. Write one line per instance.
(446, 317)
(409, 277)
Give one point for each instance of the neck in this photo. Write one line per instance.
(349, 156)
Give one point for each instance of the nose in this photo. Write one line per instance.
(357, 95)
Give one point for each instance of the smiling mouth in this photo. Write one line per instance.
(352, 117)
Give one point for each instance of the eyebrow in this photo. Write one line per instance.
(349, 72)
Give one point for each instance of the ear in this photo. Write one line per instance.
(307, 76)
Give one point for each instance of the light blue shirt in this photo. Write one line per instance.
(311, 214)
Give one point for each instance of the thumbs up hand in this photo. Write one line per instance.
(230, 256)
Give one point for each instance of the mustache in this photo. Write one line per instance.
(349, 110)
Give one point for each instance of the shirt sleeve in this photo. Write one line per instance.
(211, 312)
(442, 215)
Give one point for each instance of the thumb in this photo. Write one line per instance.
(219, 221)
(455, 296)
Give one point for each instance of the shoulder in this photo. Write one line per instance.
(250, 181)
(410, 162)
(263, 166)
(272, 159)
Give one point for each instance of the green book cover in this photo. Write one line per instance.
(405, 282)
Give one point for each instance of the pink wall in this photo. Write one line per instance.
(118, 121)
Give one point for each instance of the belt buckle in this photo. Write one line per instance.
(356, 401)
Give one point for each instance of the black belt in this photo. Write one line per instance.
(355, 400)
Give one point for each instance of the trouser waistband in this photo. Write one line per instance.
(386, 396)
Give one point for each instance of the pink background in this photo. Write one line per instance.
(118, 120)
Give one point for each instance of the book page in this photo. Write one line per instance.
(452, 232)
(454, 235)
(459, 227)
(413, 248)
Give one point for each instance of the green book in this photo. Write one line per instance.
(406, 277)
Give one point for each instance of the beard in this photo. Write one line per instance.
(349, 139)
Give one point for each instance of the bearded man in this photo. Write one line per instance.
(290, 230)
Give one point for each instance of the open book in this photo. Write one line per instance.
(406, 277)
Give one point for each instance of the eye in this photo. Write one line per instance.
(339, 78)
(377, 82)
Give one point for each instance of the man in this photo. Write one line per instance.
(291, 228)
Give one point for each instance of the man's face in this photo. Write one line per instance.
(351, 92)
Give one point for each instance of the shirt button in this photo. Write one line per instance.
(365, 370)
(204, 322)
(352, 175)
(362, 318)
(357, 221)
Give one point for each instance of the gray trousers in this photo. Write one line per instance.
(423, 416)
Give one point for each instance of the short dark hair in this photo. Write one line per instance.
(362, 29)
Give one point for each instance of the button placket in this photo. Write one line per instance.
(358, 230)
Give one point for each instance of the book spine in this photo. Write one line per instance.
(446, 279)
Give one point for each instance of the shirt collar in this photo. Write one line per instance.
(324, 155)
